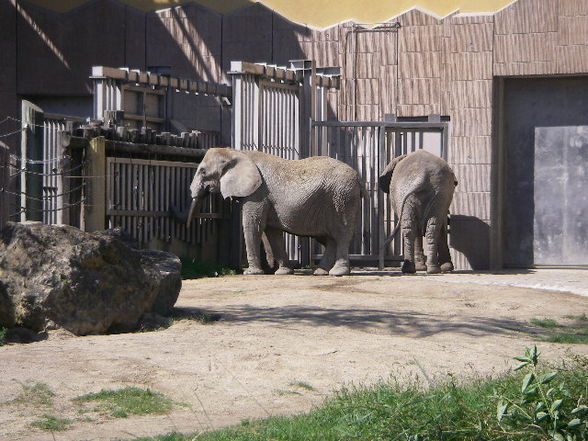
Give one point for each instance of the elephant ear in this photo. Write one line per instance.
(241, 177)
(386, 175)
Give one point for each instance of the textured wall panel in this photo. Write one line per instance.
(573, 7)
(572, 59)
(470, 150)
(527, 16)
(419, 91)
(420, 38)
(420, 65)
(471, 204)
(470, 66)
(477, 93)
(525, 47)
(472, 177)
(472, 37)
(573, 30)
(471, 122)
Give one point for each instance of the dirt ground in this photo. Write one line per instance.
(282, 345)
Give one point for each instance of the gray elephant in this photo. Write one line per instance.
(317, 197)
(420, 187)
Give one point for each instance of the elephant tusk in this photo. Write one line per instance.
(194, 208)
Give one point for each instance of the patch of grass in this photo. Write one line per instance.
(197, 315)
(545, 323)
(388, 411)
(121, 403)
(580, 338)
(302, 385)
(195, 269)
(52, 423)
(34, 394)
(576, 333)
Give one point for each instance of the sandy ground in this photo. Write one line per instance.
(277, 332)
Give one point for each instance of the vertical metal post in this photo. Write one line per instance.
(95, 186)
(32, 164)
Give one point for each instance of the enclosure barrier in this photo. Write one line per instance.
(368, 147)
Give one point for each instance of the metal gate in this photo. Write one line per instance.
(368, 147)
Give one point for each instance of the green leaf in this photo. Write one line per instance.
(501, 410)
(548, 377)
(558, 436)
(580, 409)
(550, 393)
(556, 405)
(527, 382)
(541, 416)
(540, 406)
(523, 359)
(575, 423)
(520, 366)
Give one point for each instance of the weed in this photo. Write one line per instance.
(545, 406)
(2, 336)
(52, 423)
(197, 315)
(576, 333)
(35, 394)
(129, 401)
(569, 338)
(195, 269)
(387, 411)
(302, 385)
(545, 323)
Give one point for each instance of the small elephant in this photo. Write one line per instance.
(315, 197)
(421, 187)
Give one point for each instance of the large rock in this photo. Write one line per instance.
(87, 283)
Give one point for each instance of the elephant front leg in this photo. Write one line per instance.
(276, 241)
(328, 258)
(252, 233)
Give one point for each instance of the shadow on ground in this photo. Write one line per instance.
(410, 324)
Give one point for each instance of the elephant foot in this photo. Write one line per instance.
(447, 267)
(408, 267)
(320, 272)
(339, 270)
(420, 266)
(284, 270)
(433, 269)
(253, 271)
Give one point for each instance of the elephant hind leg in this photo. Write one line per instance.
(444, 256)
(432, 236)
(419, 256)
(328, 258)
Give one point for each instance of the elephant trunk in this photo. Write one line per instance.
(195, 206)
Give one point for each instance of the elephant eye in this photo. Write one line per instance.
(202, 171)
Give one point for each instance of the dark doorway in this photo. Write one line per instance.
(545, 142)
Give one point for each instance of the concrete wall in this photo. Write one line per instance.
(429, 65)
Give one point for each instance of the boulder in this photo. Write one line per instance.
(87, 283)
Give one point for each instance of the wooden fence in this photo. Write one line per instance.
(140, 193)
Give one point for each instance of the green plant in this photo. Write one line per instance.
(195, 269)
(129, 401)
(545, 323)
(2, 336)
(52, 423)
(543, 407)
(302, 385)
(35, 394)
